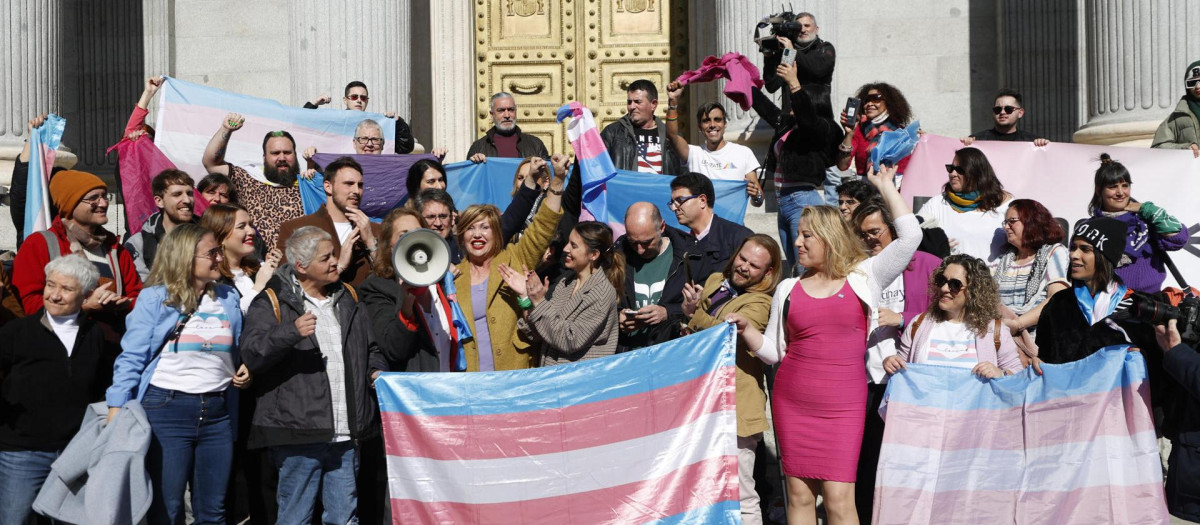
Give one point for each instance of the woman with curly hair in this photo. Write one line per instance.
(884, 108)
(1033, 266)
(961, 328)
(971, 206)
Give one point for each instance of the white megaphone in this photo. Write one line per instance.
(421, 257)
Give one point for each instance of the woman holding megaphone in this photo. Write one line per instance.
(490, 306)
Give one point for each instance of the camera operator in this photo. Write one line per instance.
(1182, 363)
(814, 59)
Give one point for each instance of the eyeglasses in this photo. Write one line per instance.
(356, 96)
(1191, 83)
(368, 140)
(646, 244)
(677, 202)
(1009, 222)
(214, 254)
(955, 284)
(1005, 109)
(439, 217)
(951, 168)
(874, 97)
(870, 234)
(94, 201)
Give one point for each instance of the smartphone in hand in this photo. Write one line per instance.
(853, 104)
(788, 57)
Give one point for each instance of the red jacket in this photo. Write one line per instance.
(29, 268)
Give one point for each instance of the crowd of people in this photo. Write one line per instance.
(250, 335)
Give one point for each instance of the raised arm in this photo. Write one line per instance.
(674, 91)
(892, 261)
(214, 153)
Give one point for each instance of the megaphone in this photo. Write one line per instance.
(421, 257)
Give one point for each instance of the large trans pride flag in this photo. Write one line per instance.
(1073, 446)
(190, 114)
(43, 150)
(648, 436)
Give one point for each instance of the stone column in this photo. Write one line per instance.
(31, 65)
(452, 76)
(332, 46)
(1135, 54)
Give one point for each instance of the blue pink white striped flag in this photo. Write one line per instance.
(1075, 445)
(595, 166)
(648, 436)
(43, 146)
(190, 114)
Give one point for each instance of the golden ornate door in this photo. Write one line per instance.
(551, 52)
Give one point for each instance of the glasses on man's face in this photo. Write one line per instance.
(214, 254)
(356, 96)
(870, 234)
(363, 141)
(440, 217)
(955, 285)
(95, 200)
(1009, 222)
(677, 202)
(1004, 109)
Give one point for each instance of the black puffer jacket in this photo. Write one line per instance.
(622, 143)
(292, 389)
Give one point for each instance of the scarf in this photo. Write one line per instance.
(1193, 105)
(963, 202)
(1035, 283)
(1096, 307)
(79, 236)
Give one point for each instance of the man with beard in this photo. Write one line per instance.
(716, 158)
(1006, 113)
(742, 293)
(356, 98)
(272, 198)
(638, 141)
(357, 237)
(173, 194)
(505, 139)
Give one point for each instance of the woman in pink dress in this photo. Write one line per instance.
(818, 330)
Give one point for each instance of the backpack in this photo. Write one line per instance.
(275, 299)
(55, 252)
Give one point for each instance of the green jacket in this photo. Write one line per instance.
(1179, 131)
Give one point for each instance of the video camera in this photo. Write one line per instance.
(785, 24)
(1158, 310)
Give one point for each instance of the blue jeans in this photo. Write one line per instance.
(191, 441)
(22, 473)
(330, 468)
(833, 179)
(791, 206)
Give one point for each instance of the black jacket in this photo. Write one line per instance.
(405, 350)
(622, 143)
(43, 392)
(404, 142)
(527, 145)
(143, 245)
(810, 148)
(814, 70)
(671, 299)
(293, 405)
(710, 255)
(1182, 365)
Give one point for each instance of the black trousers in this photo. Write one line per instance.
(868, 455)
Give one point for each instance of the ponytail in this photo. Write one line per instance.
(599, 237)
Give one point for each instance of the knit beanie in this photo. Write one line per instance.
(1105, 234)
(1192, 72)
(68, 187)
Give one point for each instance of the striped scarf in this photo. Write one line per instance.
(963, 202)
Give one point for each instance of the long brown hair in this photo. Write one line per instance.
(979, 176)
(221, 219)
(599, 238)
(382, 265)
(981, 290)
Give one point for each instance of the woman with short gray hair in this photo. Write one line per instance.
(52, 365)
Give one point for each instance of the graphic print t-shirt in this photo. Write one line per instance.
(649, 151)
(952, 344)
(201, 359)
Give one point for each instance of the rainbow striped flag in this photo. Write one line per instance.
(190, 114)
(43, 149)
(1075, 445)
(595, 166)
(648, 436)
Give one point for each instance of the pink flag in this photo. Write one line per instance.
(139, 161)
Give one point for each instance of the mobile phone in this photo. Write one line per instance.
(789, 57)
(853, 104)
(630, 311)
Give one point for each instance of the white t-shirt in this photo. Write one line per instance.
(201, 359)
(978, 233)
(343, 230)
(731, 162)
(951, 344)
(245, 287)
(882, 341)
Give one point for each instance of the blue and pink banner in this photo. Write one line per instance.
(190, 114)
(1075, 445)
(43, 146)
(140, 161)
(595, 166)
(648, 436)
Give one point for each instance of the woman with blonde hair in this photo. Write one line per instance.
(488, 304)
(817, 331)
(178, 358)
(962, 326)
(580, 321)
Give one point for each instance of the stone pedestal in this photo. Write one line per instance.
(1135, 53)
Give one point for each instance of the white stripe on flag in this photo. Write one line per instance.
(563, 473)
(1105, 461)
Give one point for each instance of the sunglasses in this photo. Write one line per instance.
(356, 96)
(951, 168)
(955, 284)
(1004, 109)
(874, 97)
(1192, 83)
